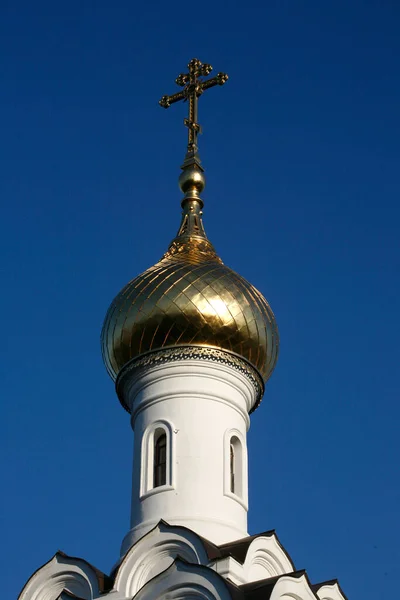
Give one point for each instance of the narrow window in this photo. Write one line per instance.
(235, 466)
(157, 452)
(232, 468)
(160, 459)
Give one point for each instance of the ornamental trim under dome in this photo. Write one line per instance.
(166, 355)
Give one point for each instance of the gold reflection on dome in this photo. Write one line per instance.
(190, 298)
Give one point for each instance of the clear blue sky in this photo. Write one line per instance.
(301, 150)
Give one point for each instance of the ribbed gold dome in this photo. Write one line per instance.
(190, 298)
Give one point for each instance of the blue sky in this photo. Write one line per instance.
(301, 150)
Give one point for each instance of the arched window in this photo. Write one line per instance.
(160, 458)
(235, 466)
(157, 462)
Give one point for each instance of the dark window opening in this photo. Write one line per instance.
(232, 468)
(160, 460)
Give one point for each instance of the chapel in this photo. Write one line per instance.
(190, 345)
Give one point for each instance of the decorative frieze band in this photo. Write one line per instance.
(177, 353)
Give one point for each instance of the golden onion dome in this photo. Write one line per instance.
(191, 298)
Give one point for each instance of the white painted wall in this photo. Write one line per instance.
(199, 403)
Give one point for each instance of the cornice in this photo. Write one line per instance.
(139, 365)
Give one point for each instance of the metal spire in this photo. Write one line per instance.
(193, 87)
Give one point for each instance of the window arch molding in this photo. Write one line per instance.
(235, 467)
(152, 434)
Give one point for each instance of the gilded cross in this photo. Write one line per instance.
(193, 86)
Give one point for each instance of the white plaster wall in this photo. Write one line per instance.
(199, 401)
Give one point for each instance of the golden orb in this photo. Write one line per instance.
(191, 298)
(192, 179)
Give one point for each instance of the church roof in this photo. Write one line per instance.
(135, 571)
(331, 583)
(105, 582)
(262, 589)
(238, 549)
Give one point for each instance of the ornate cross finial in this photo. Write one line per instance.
(193, 87)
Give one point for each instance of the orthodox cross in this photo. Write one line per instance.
(193, 87)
